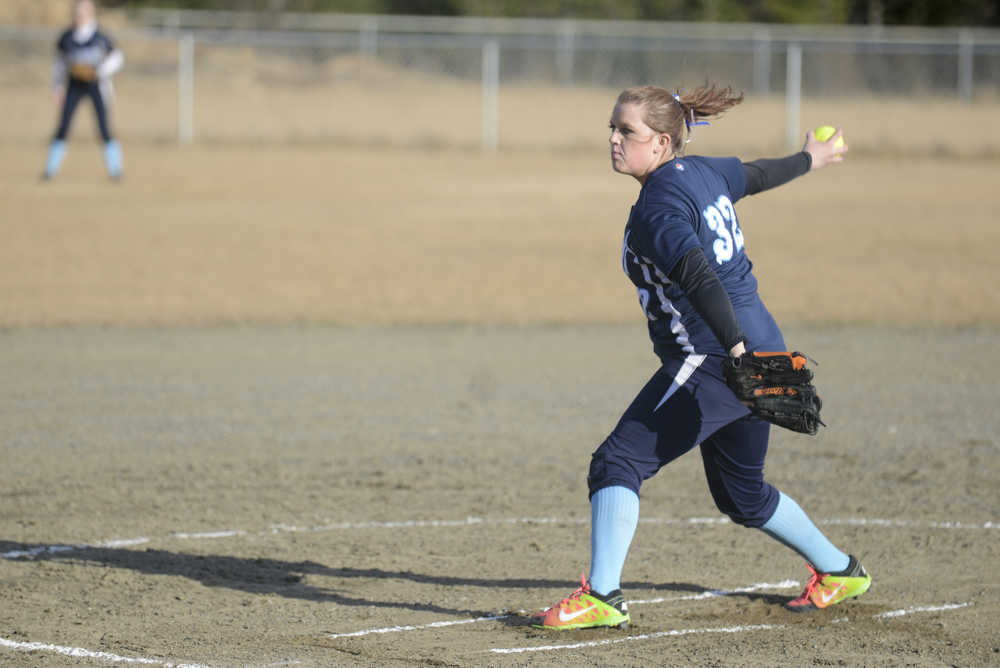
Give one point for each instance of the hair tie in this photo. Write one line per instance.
(689, 122)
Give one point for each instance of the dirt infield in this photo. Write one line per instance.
(252, 494)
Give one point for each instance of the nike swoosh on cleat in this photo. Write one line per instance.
(563, 617)
(827, 598)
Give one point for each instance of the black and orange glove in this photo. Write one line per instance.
(777, 387)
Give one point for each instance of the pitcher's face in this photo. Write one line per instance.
(636, 148)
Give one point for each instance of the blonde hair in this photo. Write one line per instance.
(676, 113)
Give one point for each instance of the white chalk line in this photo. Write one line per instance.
(417, 627)
(206, 534)
(784, 584)
(56, 549)
(921, 608)
(462, 523)
(725, 629)
(916, 524)
(644, 636)
(81, 653)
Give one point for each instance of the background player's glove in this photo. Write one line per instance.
(81, 72)
(777, 387)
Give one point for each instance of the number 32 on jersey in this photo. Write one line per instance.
(721, 219)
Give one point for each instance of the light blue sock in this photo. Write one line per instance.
(792, 526)
(57, 150)
(113, 158)
(614, 513)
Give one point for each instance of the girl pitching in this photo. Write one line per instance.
(683, 250)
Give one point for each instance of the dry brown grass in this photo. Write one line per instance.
(241, 233)
(351, 191)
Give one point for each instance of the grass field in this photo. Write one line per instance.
(381, 235)
(332, 403)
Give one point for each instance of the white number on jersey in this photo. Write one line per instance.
(717, 216)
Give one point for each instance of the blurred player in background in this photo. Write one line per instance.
(86, 59)
(683, 250)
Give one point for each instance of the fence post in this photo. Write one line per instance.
(793, 95)
(368, 37)
(762, 61)
(966, 46)
(491, 95)
(185, 84)
(564, 52)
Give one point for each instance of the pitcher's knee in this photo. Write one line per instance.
(609, 470)
(749, 508)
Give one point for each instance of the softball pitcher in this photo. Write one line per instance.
(683, 250)
(86, 58)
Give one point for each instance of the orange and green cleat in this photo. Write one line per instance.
(826, 589)
(585, 609)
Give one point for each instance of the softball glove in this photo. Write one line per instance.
(777, 387)
(81, 72)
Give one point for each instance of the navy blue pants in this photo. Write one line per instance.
(684, 404)
(76, 91)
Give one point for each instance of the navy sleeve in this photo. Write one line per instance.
(732, 172)
(62, 44)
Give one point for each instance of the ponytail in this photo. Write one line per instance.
(677, 114)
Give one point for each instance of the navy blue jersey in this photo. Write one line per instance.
(685, 204)
(90, 52)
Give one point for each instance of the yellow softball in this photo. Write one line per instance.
(824, 132)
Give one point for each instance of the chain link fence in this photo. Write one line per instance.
(489, 83)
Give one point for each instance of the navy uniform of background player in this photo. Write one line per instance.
(684, 251)
(86, 59)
